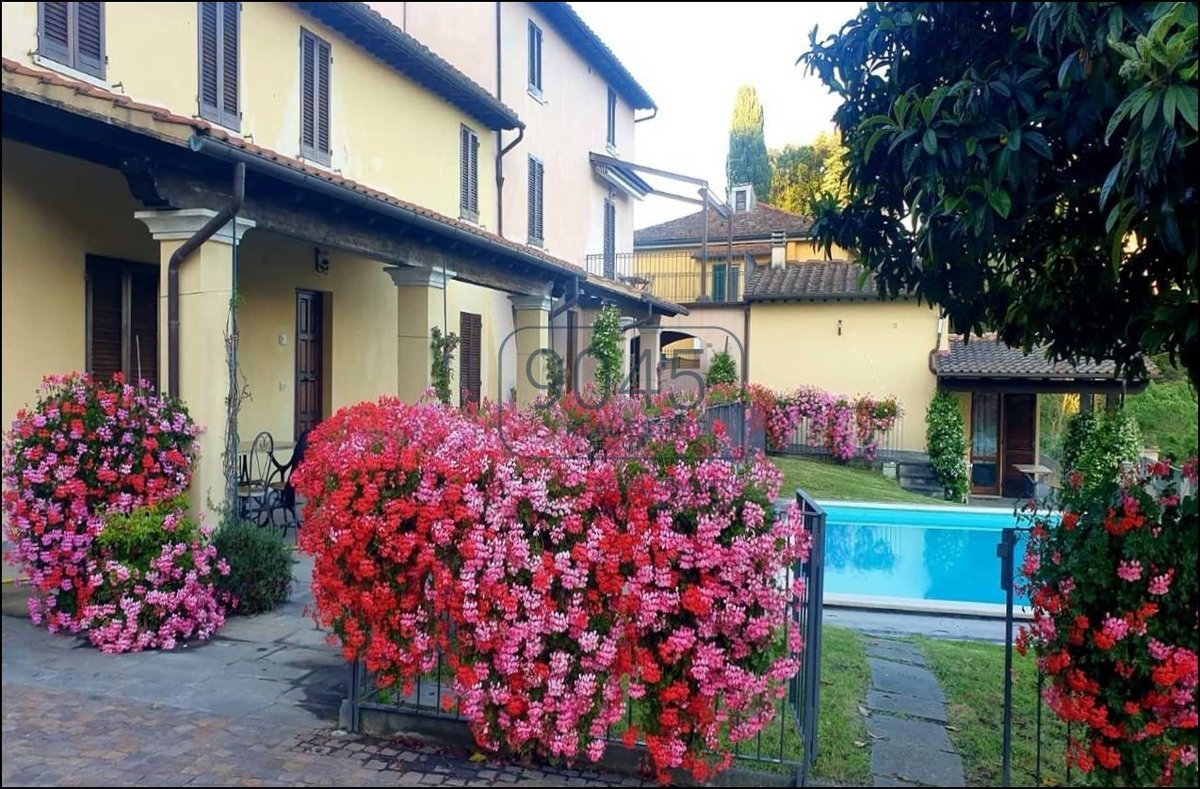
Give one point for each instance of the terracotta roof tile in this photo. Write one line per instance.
(757, 224)
(987, 357)
(813, 280)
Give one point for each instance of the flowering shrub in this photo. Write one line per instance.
(153, 581)
(561, 559)
(946, 442)
(1113, 587)
(845, 428)
(87, 448)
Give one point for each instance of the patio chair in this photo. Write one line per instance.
(257, 498)
(282, 482)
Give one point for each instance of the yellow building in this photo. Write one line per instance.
(311, 164)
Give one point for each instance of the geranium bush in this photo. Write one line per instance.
(89, 451)
(1113, 582)
(845, 428)
(561, 559)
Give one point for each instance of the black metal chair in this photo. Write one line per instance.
(257, 497)
(282, 482)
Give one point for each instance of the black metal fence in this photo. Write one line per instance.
(787, 749)
(1023, 714)
(741, 431)
(683, 276)
(809, 441)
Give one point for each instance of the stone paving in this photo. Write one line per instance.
(907, 722)
(256, 706)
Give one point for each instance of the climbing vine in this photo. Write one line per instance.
(606, 349)
(442, 347)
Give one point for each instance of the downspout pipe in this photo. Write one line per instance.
(181, 254)
(500, 178)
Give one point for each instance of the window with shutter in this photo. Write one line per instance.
(73, 34)
(612, 118)
(537, 173)
(468, 179)
(610, 239)
(219, 59)
(315, 62)
(122, 319)
(535, 59)
(470, 333)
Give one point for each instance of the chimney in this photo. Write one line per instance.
(943, 336)
(778, 249)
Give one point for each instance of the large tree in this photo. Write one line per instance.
(747, 162)
(1026, 166)
(801, 173)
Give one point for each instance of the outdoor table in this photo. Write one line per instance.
(1034, 473)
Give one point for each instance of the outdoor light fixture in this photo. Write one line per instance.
(320, 262)
(839, 327)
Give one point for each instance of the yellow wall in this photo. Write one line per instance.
(387, 131)
(883, 349)
(47, 231)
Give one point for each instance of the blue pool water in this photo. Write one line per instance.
(923, 553)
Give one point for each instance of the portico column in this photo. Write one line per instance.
(531, 334)
(205, 290)
(650, 338)
(420, 292)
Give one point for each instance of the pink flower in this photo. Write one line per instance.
(1129, 570)
(1159, 584)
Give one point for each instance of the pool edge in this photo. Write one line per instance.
(911, 605)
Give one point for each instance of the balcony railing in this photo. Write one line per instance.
(681, 277)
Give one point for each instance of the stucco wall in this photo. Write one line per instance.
(716, 327)
(47, 232)
(883, 349)
(387, 131)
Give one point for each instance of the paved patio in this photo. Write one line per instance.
(256, 706)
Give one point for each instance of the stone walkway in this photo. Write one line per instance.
(907, 722)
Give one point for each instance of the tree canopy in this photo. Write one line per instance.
(747, 162)
(1026, 167)
(801, 173)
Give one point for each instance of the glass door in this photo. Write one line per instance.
(985, 443)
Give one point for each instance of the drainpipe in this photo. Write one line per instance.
(179, 255)
(500, 179)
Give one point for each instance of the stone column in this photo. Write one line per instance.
(651, 337)
(205, 289)
(531, 333)
(420, 292)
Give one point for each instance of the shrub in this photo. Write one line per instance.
(1113, 585)
(946, 443)
(607, 340)
(1095, 447)
(1080, 429)
(560, 559)
(84, 450)
(846, 429)
(1166, 413)
(156, 572)
(260, 567)
(722, 370)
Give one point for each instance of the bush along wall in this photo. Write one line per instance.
(562, 560)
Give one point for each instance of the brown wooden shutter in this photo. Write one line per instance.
(537, 175)
(209, 57)
(308, 89)
(323, 144)
(143, 328)
(89, 38)
(470, 332)
(468, 185)
(106, 326)
(610, 239)
(230, 42)
(54, 37)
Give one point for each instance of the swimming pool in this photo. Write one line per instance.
(876, 552)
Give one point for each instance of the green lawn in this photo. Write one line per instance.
(831, 481)
(845, 678)
(972, 676)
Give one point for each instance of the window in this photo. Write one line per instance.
(470, 333)
(535, 59)
(610, 239)
(468, 182)
(725, 281)
(314, 99)
(219, 63)
(537, 173)
(122, 319)
(612, 118)
(73, 34)
(739, 200)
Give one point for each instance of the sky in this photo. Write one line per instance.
(691, 58)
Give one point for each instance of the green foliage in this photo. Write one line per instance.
(747, 162)
(1166, 414)
(607, 339)
(946, 443)
(442, 348)
(800, 173)
(556, 376)
(1054, 411)
(722, 370)
(1025, 166)
(1096, 444)
(135, 538)
(260, 567)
